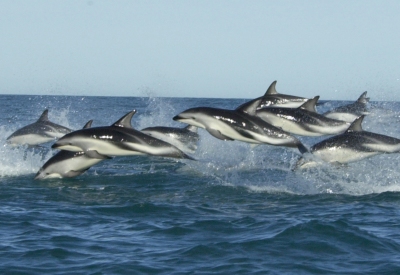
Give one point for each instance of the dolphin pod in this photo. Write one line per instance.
(353, 145)
(272, 119)
(119, 139)
(67, 164)
(303, 120)
(233, 125)
(273, 98)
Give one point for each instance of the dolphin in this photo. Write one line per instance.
(183, 138)
(303, 120)
(67, 164)
(351, 111)
(272, 98)
(353, 145)
(119, 139)
(41, 131)
(235, 125)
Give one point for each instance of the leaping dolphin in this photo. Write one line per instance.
(353, 145)
(351, 111)
(272, 98)
(67, 164)
(183, 138)
(42, 131)
(303, 120)
(235, 125)
(119, 139)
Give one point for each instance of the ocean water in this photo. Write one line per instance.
(236, 210)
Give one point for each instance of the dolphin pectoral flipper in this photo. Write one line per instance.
(217, 134)
(254, 145)
(245, 133)
(94, 154)
(72, 173)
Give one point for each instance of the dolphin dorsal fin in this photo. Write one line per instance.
(125, 121)
(309, 105)
(250, 107)
(88, 124)
(356, 125)
(191, 128)
(44, 116)
(271, 89)
(363, 98)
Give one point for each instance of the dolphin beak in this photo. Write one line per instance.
(38, 175)
(177, 118)
(54, 146)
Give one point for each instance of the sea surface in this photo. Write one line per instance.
(236, 210)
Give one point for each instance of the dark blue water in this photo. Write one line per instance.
(237, 210)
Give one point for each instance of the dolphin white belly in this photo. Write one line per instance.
(342, 155)
(229, 131)
(348, 117)
(31, 139)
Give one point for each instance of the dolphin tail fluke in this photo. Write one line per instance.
(298, 164)
(185, 156)
(302, 148)
(191, 128)
(363, 98)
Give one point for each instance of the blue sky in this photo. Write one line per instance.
(233, 49)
